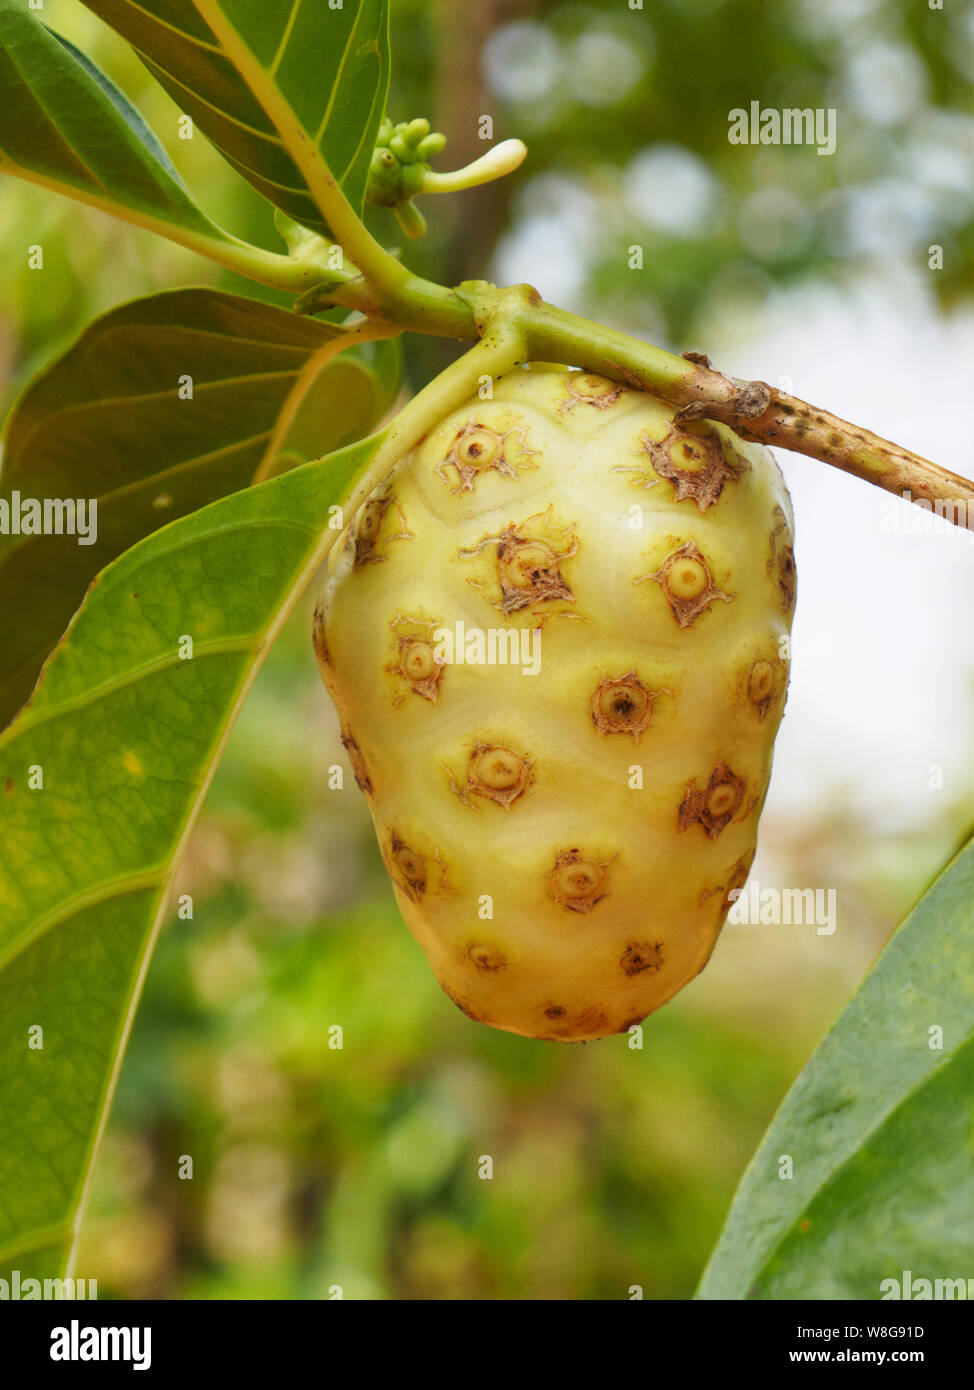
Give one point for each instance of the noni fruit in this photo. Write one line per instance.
(557, 640)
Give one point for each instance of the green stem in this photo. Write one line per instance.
(385, 275)
(753, 409)
(288, 273)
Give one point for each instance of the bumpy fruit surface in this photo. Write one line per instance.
(563, 828)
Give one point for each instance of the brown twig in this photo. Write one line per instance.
(756, 411)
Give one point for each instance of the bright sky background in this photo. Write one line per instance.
(883, 672)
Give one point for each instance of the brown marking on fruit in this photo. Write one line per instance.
(632, 1023)
(782, 561)
(477, 449)
(714, 806)
(496, 773)
(591, 1020)
(763, 684)
(368, 530)
(419, 667)
(692, 457)
(577, 883)
(486, 958)
(463, 1005)
(688, 583)
(642, 956)
(407, 867)
(623, 705)
(760, 685)
(736, 880)
(528, 566)
(415, 661)
(318, 638)
(8, 786)
(554, 1011)
(360, 770)
(586, 388)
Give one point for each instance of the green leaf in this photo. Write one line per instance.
(111, 420)
(879, 1128)
(64, 125)
(291, 93)
(125, 735)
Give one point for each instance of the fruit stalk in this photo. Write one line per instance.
(755, 410)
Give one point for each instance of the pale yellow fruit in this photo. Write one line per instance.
(562, 841)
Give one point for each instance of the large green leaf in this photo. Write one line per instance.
(290, 92)
(879, 1128)
(64, 125)
(112, 420)
(100, 780)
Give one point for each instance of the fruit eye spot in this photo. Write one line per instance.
(595, 390)
(688, 583)
(627, 707)
(721, 801)
(595, 385)
(578, 884)
(486, 958)
(496, 773)
(646, 955)
(530, 565)
(409, 868)
(368, 527)
(478, 450)
(714, 806)
(554, 1011)
(688, 579)
(419, 663)
(761, 681)
(410, 864)
(622, 706)
(497, 769)
(689, 458)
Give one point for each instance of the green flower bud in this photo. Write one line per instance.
(411, 220)
(384, 178)
(431, 145)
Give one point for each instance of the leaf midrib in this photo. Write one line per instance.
(49, 1236)
(28, 720)
(173, 28)
(107, 889)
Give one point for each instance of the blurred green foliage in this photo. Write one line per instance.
(315, 1166)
